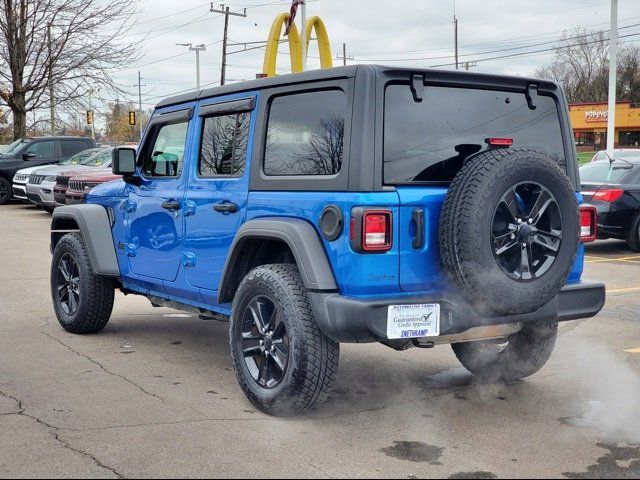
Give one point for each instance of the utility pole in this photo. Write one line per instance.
(197, 49)
(226, 12)
(468, 65)
(455, 28)
(93, 117)
(455, 32)
(140, 85)
(344, 57)
(52, 107)
(613, 65)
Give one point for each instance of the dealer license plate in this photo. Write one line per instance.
(413, 321)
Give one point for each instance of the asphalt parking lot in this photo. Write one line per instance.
(154, 395)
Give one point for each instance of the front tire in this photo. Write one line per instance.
(82, 300)
(515, 358)
(284, 364)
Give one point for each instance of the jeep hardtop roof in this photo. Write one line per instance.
(466, 78)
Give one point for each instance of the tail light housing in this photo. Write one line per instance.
(608, 194)
(588, 223)
(499, 141)
(371, 230)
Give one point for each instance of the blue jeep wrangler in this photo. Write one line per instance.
(356, 204)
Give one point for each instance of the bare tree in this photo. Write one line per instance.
(73, 45)
(581, 66)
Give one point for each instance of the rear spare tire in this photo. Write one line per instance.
(509, 231)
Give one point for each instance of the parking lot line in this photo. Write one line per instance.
(633, 350)
(623, 290)
(614, 259)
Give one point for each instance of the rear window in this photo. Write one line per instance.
(606, 172)
(428, 141)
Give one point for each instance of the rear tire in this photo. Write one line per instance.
(82, 300)
(5, 191)
(633, 240)
(518, 357)
(284, 364)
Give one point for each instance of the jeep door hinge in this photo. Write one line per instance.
(188, 259)
(189, 208)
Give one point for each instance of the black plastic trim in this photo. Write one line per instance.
(94, 224)
(233, 106)
(304, 242)
(352, 320)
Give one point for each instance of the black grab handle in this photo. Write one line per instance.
(418, 218)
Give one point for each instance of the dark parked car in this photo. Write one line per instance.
(614, 189)
(32, 152)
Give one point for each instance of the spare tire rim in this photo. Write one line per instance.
(265, 342)
(526, 231)
(68, 284)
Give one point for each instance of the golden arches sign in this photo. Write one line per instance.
(295, 45)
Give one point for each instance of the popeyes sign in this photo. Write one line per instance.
(596, 115)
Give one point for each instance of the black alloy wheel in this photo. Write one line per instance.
(68, 284)
(265, 342)
(526, 231)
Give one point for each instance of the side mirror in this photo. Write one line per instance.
(123, 161)
(28, 156)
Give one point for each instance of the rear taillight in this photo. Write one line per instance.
(608, 194)
(370, 230)
(588, 223)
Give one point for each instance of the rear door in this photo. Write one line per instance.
(427, 141)
(218, 187)
(69, 147)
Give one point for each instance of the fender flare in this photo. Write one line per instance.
(304, 242)
(94, 224)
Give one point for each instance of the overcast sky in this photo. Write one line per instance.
(409, 32)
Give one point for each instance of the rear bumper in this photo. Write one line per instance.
(352, 320)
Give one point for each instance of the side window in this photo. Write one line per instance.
(223, 149)
(164, 152)
(71, 147)
(305, 134)
(42, 149)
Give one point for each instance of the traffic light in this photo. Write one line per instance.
(89, 117)
(132, 118)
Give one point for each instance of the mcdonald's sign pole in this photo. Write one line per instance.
(303, 34)
(298, 44)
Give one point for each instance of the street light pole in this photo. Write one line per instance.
(613, 51)
(197, 49)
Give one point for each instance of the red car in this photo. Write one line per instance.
(84, 181)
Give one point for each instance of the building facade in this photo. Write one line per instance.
(589, 121)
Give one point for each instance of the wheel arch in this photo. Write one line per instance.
(93, 222)
(277, 240)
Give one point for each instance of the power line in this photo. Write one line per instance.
(523, 54)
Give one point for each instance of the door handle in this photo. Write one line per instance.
(226, 207)
(171, 205)
(418, 217)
